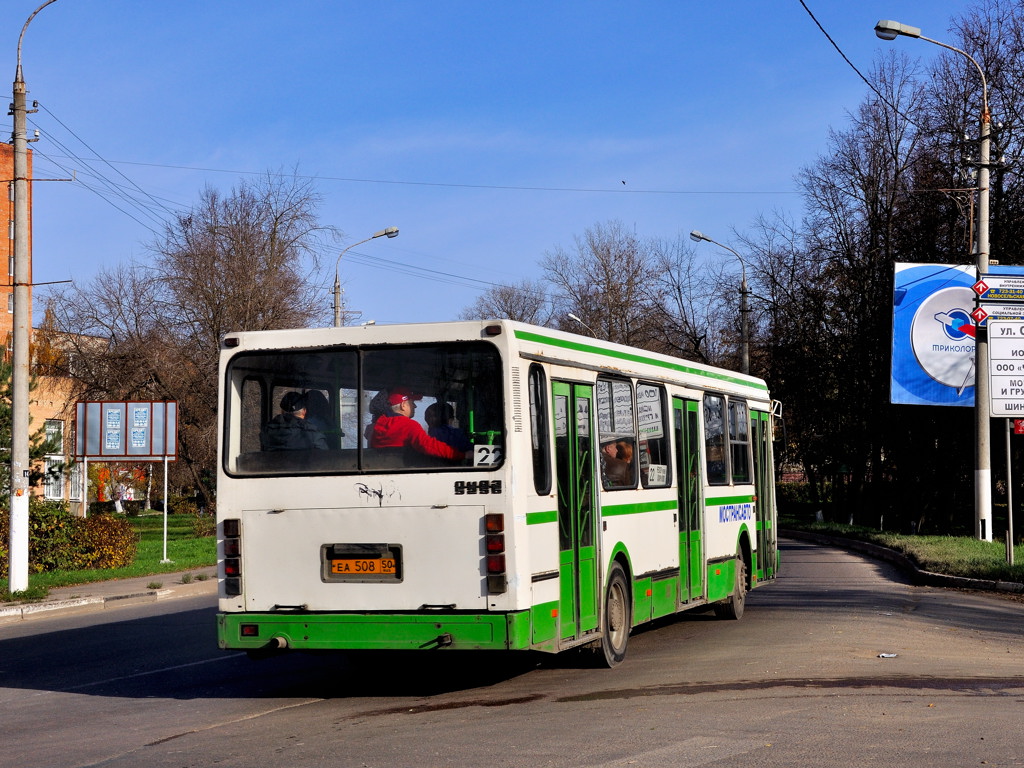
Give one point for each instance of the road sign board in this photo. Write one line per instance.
(1006, 367)
(986, 312)
(999, 288)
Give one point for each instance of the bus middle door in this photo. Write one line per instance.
(577, 525)
(691, 508)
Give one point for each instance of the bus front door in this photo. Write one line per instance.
(767, 545)
(686, 415)
(577, 525)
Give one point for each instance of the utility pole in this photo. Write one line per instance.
(17, 572)
(887, 29)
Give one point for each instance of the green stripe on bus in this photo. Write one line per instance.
(717, 502)
(536, 518)
(632, 357)
(638, 509)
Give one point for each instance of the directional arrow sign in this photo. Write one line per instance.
(1000, 288)
(983, 314)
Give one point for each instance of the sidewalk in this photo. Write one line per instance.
(103, 595)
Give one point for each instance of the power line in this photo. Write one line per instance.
(854, 68)
(452, 185)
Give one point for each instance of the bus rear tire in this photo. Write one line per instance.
(732, 607)
(617, 618)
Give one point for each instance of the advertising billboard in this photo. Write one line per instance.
(933, 335)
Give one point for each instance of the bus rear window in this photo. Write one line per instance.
(394, 408)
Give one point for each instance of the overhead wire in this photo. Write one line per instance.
(852, 66)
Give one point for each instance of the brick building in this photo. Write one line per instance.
(50, 407)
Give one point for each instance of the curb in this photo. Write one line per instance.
(904, 563)
(48, 608)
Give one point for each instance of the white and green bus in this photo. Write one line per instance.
(595, 487)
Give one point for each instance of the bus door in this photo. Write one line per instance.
(763, 469)
(577, 525)
(686, 415)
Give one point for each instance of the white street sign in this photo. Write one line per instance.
(1006, 367)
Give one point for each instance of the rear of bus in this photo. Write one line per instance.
(343, 539)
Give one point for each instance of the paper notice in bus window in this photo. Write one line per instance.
(561, 416)
(622, 394)
(657, 474)
(648, 406)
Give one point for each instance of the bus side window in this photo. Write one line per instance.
(616, 433)
(714, 439)
(739, 441)
(540, 446)
(652, 430)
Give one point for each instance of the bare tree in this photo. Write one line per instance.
(607, 281)
(526, 301)
(244, 261)
(688, 321)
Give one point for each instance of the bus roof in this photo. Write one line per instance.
(530, 341)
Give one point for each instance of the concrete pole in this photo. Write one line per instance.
(18, 539)
(982, 394)
(887, 29)
(18, 559)
(389, 233)
(696, 235)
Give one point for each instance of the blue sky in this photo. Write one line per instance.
(488, 133)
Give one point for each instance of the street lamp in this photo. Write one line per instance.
(576, 319)
(697, 236)
(890, 30)
(389, 232)
(17, 564)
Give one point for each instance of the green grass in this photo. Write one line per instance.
(185, 550)
(951, 555)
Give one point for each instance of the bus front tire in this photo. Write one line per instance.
(617, 615)
(732, 607)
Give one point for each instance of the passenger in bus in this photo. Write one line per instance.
(318, 415)
(617, 464)
(397, 429)
(439, 417)
(289, 430)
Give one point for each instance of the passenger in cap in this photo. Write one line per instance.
(396, 428)
(289, 430)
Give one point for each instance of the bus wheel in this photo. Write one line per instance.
(617, 614)
(732, 606)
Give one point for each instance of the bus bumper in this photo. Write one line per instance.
(380, 631)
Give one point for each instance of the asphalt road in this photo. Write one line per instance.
(799, 681)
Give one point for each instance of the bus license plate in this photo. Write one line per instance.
(384, 566)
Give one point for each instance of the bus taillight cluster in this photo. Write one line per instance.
(232, 530)
(494, 546)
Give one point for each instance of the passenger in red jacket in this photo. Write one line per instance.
(397, 429)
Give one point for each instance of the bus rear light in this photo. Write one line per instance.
(231, 550)
(497, 584)
(249, 630)
(494, 549)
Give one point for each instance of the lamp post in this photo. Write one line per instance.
(389, 232)
(576, 319)
(18, 535)
(697, 236)
(890, 30)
